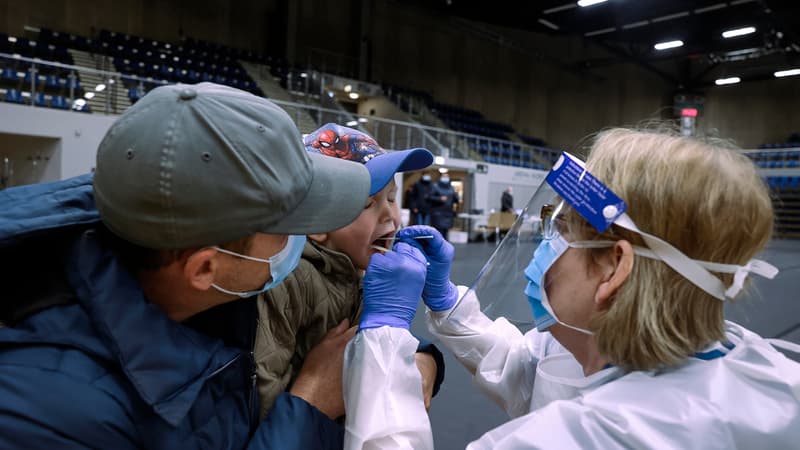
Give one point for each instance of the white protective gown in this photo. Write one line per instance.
(747, 397)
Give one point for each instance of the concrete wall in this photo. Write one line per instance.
(241, 24)
(28, 159)
(489, 186)
(753, 113)
(510, 85)
(70, 138)
(381, 107)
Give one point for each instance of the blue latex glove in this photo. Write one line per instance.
(393, 286)
(440, 293)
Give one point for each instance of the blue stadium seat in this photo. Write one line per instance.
(135, 93)
(52, 81)
(39, 100)
(10, 74)
(14, 96)
(73, 83)
(59, 102)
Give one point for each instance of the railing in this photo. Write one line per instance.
(45, 83)
(392, 134)
(395, 134)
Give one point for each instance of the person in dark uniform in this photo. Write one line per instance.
(507, 201)
(443, 199)
(420, 202)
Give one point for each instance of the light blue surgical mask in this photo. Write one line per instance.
(545, 255)
(281, 265)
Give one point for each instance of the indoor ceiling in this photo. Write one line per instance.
(630, 29)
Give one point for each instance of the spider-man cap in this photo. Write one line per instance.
(354, 145)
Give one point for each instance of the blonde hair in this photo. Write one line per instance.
(703, 198)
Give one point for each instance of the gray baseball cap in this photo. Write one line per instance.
(196, 165)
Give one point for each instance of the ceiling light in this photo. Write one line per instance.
(348, 88)
(738, 32)
(724, 81)
(362, 120)
(548, 24)
(710, 8)
(585, 3)
(353, 95)
(668, 44)
(787, 73)
(598, 32)
(352, 123)
(303, 75)
(443, 170)
(638, 24)
(100, 87)
(438, 160)
(559, 8)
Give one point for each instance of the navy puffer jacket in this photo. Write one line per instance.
(87, 362)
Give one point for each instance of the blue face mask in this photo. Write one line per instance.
(545, 255)
(280, 265)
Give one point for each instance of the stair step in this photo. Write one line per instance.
(89, 80)
(272, 89)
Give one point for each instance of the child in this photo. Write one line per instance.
(325, 288)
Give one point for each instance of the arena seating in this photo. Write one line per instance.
(469, 121)
(190, 61)
(786, 201)
(776, 159)
(52, 84)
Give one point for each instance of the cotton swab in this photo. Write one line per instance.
(384, 249)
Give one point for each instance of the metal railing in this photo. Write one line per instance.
(33, 76)
(395, 134)
(36, 82)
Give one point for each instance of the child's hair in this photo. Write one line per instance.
(702, 197)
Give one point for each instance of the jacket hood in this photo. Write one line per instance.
(36, 209)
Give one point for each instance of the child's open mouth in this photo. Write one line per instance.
(384, 243)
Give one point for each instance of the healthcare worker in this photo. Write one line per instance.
(624, 265)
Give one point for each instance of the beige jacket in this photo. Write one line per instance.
(324, 289)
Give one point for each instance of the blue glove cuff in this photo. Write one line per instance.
(377, 322)
(445, 302)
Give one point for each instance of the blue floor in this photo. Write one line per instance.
(460, 414)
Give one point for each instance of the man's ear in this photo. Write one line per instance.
(616, 270)
(200, 268)
(320, 238)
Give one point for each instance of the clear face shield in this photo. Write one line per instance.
(568, 206)
(502, 282)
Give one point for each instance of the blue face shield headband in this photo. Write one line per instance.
(280, 265)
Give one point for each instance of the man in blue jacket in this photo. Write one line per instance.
(121, 329)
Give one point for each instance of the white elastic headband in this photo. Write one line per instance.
(693, 270)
